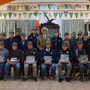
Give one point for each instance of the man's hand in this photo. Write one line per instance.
(1, 62)
(47, 62)
(35, 62)
(68, 61)
(88, 62)
(41, 48)
(60, 61)
(25, 62)
(79, 59)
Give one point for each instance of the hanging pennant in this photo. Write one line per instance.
(14, 14)
(50, 15)
(0, 14)
(69, 6)
(39, 6)
(76, 15)
(24, 14)
(45, 14)
(26, 7)
(18, 6)
(49, 6)
(65, 6)
(86, 14)
(58, 6)
(55, 14)
(10, 14)
(35, 13)
(19, 15)
(54, 6)
(45, 6)
(22, 7)
(29, 14)
(81, 14)
(71, 15)
(87, 6)
(5, 15)
(60, 14)
(65, 13)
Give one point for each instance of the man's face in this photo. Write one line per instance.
(2, 37)
(86, 37)
(18, 33)
(44, 32)
(48, 45)
(1, 47)
(56, 34)
(30, 46)
(73, 35)
(23, 37)
(11, 35)
(14, 47)
(80, 46)
(64, 48)
(66, 36)
(34, 31)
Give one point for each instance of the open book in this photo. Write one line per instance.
(30, 59)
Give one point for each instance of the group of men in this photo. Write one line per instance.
(44, 52)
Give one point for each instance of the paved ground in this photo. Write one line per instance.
(44, 85)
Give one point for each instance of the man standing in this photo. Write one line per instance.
(43, 38)
(56, 41)
(10, 40)
(33, 37)
(13, 60)
(18, 36)
(3, 58)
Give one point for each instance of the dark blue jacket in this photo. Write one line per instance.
(56, 43)
(64, 52)
(22, 45)
(45, 53)
(8, 43)
(33, 39)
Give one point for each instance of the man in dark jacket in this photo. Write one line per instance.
(28, 54)
(47, 57)
(10, 40)
(13, 60)
(81, 52)
(56, 41)
(33, 37)
(64, 60)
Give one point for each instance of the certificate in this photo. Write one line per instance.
(48, 58)
(64, 58)
(30, 59)
(84, 59)
(1, 58)
(13, 60)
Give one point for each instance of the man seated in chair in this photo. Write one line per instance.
(30, 59)
(3, 58)
(47, 57)
(82, 59)
(64, 57)
(13, 60)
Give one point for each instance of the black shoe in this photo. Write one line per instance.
(81, 79)
(6, 79)
(1, 78)
(60, 80)
(25, 78)
(35, 79)
(67, 79)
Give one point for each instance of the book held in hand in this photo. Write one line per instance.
(1, 58)
(84, 59)
(13, 60)
(30, 59)
(64, 58)
(48, 58)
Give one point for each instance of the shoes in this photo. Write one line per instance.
(60, 80)
(67, 79)
(51, 78)
(35, 79)
(6, 79)
(44, 78)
